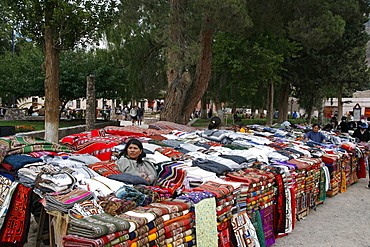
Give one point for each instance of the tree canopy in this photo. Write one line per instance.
(232, 51)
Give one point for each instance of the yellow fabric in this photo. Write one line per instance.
(188, 238)
(152, 237)
(343, 187)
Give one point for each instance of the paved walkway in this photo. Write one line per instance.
(129, 123)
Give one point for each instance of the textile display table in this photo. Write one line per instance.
(243, 189)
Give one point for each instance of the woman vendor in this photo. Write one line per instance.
(315, 135)
(132, 161)
(362, 133)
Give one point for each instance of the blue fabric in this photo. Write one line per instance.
(7, 176)
(315, 136)
(18, 161)
(211, 166)
(128, 178)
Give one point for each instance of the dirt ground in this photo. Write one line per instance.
(341, 221)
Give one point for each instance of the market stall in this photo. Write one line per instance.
(245, 190)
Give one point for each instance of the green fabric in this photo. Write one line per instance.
(257, 223)
(22, 145)
(322, 193)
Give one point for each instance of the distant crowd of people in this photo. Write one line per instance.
(360, 129)
(134, 114)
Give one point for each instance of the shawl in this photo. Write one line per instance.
(14, 231)
(96, 226)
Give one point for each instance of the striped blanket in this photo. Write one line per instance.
(23, 145)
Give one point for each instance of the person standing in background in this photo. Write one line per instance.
(140, 115)
(133, 114)
(362, 133)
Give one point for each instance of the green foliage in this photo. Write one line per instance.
(76, 21)
(21, 73)
(317, 32)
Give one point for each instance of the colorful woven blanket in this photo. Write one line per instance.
(17, 221)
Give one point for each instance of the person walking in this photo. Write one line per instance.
(124, 113)
(140, 115)
(133, 115)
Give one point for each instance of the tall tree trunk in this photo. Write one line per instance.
(340, 102)
(283, 102)
(90, 103)
(183, 94)
(309, 115)
(51, 83)
(270, 103)
(203, 108)
(218, 107)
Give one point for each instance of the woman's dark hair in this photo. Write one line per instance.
(137, 143)
(215, 122)
(316, 124)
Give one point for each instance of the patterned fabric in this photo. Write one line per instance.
(23, 145)
(257, 223)
(220, 190)
(96, 226)
(129, 193)
(244, 230)
(64, 200)
(115, 206)
(14, 231)
(75, 240)
(196, 196)
(205, 217)
(163, 125)
(267, 216)
(86, 208)
(5, 184)
(280, 205)
(171, 174)
(105, 168)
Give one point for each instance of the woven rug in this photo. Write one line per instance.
(14, 231)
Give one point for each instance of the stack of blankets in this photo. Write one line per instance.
(166, 223)
(257, 191)
(224, 195)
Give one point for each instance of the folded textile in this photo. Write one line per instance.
(18, 161)
(105, 168)
(211, 166)
(129, 193)
(96, 226)
(14, 231)
(75, 240)
(115, 206)
(129, 178)
(196, 196)
(64, 200)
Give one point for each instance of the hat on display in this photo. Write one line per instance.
(363, 125)
(215, 123)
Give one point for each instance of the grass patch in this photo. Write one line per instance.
(31, 125)
(229, 122)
